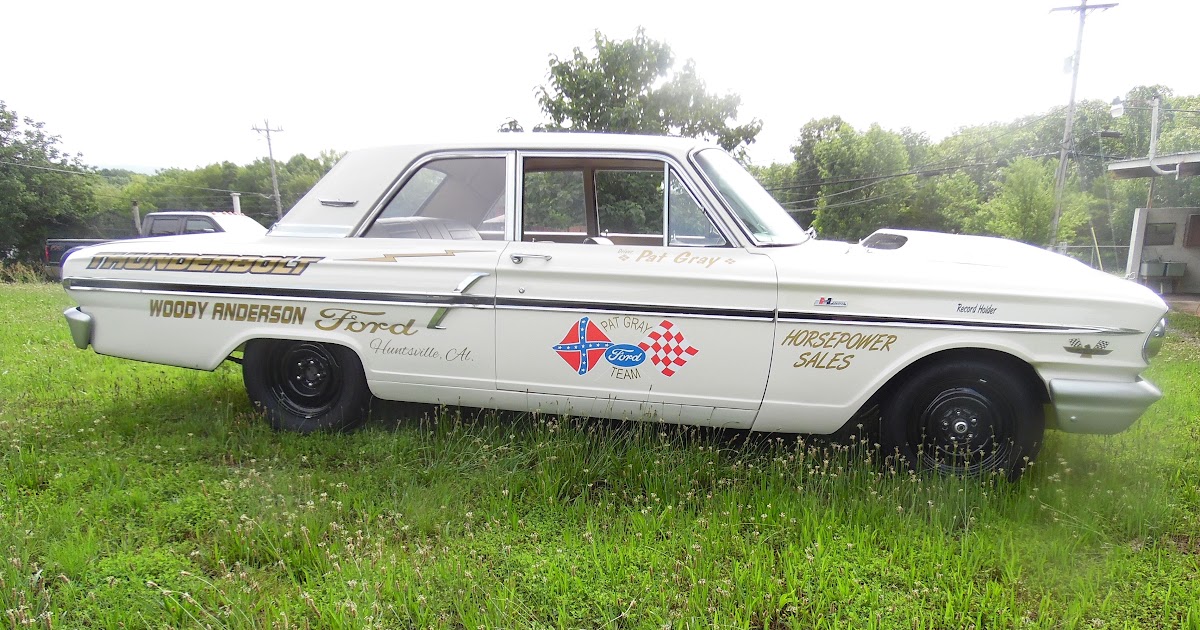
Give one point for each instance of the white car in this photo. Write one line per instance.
(623, 276)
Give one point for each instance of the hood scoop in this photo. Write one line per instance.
(884, 240)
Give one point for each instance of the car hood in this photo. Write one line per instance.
(923, 274)
(965, 250)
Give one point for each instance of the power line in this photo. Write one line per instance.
(927, 165)
(880, 178)
(846, 204)
(49, 168)
(161, 184)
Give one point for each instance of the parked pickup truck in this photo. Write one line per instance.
(157, 224)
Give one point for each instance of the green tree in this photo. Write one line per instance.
(947, 202)
(43, 191)
(207, 187)
(865, 188)
(1024, 206)
(628, 87)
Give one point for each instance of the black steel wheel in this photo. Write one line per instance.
(964, 417)
(306, 386)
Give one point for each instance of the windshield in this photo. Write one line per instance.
(767, 221)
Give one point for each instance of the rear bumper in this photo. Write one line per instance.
(1100, 407)
(81, 325)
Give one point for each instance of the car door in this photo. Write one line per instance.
(622, 296)
(432, 249)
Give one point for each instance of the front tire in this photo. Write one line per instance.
(964, 417)
(306, 386)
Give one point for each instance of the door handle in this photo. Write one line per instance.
(518, 258)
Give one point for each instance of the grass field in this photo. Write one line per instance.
(141, 496)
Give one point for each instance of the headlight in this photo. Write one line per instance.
(1155, 341)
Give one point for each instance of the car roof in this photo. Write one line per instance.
(362, 175)
(557, 140)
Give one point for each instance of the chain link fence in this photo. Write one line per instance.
(1109, 258)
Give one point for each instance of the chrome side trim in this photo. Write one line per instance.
(1098, 406)
(919, 322)
(81, 325)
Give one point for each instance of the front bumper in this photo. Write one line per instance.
(81, 325)
(1100, 407)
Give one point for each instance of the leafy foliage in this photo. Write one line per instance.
(985, 179)
(629, 87)
(851, 161)
(208, 187)
(1024, 206)
(43, 191)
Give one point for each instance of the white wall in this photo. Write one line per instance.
(1176, 252)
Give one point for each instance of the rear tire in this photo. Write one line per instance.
(306, 386)
(966, 418)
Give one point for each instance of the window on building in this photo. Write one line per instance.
(1191, 236)
(1160, 234)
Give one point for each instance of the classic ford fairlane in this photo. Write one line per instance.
(624, 276)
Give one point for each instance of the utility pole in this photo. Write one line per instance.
(1060, 177)
(271, 154)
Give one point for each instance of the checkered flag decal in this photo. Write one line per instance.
(666, 348)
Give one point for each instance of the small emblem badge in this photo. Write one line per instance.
(828, 301)
(1087, 351)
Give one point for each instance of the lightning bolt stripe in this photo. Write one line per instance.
(390, 258)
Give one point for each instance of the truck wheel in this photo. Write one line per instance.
(305, 386)
(964, 417)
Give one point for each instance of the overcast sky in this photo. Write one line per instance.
(167, 84)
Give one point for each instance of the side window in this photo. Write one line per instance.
(553, 204)
(611, 201)
(630, 202)
(450, 198)
(687, 224)
(199, 225)
(163, 226)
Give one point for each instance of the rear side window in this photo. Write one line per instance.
(199, 225)
(451, 198)
(163, 226)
